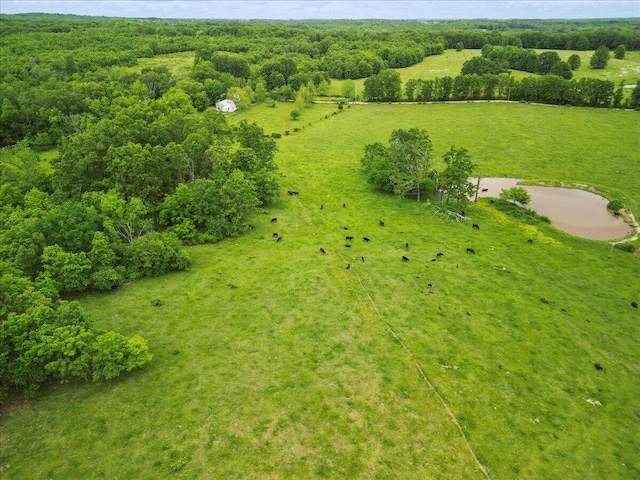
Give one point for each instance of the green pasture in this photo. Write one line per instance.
(277, 118)
(448, 63)
(180, 63)
(272, 360)
(620, 72)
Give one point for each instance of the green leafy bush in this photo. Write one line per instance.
(154, 254)
(615, 205)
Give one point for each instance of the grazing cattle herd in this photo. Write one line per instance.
(405, 259)
(381, 223)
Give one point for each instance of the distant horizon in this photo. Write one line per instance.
(425, 10)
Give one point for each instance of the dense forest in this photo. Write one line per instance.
(144, 166)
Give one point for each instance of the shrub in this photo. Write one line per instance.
(626, 247)
(154, 254)
(615, 205)
(516, 194)
(107, 278)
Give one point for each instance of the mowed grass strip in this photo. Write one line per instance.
(271, 362)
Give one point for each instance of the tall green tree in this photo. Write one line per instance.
(561, 69)
(574, 61)
(546, 61)
(600, 57)
(453, 183)
(404, 167)
(348, 89)
(410, 152)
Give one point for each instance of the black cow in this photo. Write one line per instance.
(346, 228)
(439, 254)
(344, 205)
(366, 239)
(347, 245)
(279, 239)
(470, 250)
(434, 259)
(598, 366)
(405, 259)
(275, 234)
(362, 258)
(348, 266)
(406, 246)
(381, 223)
(348, 238)
(530, 241)
(476, 226)
(292, 192)
(485, 189)
(634, 304)
(322, 250)
(274, 220)
(321, 207)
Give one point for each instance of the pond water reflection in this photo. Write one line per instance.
(577, 212)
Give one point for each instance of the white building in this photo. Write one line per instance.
(226, 106)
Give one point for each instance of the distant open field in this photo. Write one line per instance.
(625, 71)
(179, 63)
(274, 361)
(277, 119)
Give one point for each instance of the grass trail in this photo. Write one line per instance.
(408, 352)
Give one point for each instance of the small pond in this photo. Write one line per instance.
(577, 212)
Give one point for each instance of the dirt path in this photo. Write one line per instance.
(631, 220)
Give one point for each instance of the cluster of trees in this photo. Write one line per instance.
(383, 87)
(497, 59)
(136, 180)
(406, 168)
(549, 89)
(344, 61)
(45, 339)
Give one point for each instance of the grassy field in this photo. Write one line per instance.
(277, 119)
(273, 361)
(448, 64)
(180, 64)
(625, 71)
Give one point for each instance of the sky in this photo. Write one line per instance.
(332, 9)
